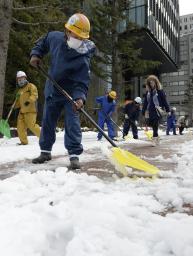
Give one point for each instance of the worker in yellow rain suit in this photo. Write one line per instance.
(27, 96)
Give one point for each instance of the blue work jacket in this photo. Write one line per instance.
(107, 108)
(70, 68)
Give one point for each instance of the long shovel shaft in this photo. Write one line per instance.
(11, 110)
(109, 119)
(63, 92)
(113, 122)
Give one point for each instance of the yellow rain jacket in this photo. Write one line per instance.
(27, 93)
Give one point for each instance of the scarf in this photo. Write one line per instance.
(155, 99)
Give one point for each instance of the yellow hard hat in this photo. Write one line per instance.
(112, 94)
(79, 25)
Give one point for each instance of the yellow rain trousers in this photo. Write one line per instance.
(24, 122)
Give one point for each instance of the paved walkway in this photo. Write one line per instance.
(102, 168)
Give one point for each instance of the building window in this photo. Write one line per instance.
(185, 27)
(174, 93)
(181, 82)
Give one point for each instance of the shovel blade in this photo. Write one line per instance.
(5, 129)
(149, 135)
(128, 159)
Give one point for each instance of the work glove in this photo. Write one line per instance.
(136, 123)
(126, 116)
(79, 104)
(26, 103)
(35, 61)
(169, 114)
(17, 95)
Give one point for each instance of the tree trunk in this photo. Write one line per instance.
(5, 26)
(116, 62)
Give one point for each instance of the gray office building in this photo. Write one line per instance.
(179, 85)
(159, 26)
(159, 22)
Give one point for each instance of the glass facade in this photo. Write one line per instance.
(161, 18)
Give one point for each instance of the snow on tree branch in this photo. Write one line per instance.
(35, 23)
(30, 7)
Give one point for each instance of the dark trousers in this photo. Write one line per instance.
(181, 128)
(126, 127)
(154, 123)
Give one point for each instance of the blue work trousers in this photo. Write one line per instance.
(73, 135)
(101, 122)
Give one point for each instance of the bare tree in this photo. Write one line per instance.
(5, 26)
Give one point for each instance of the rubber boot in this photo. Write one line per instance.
(74, 163)
(44, 157)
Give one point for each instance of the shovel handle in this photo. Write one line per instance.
(11, 110)
(63, 92)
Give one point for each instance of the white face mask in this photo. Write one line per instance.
(22, 82)
(74, 43)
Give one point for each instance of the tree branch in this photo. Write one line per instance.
(36, 23)
(30, 7)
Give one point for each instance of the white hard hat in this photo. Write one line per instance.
(138, 100)
(174, 108)
(20, 74)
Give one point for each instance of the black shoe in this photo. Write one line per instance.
(44, 157)
(21, 144)
(74, 163)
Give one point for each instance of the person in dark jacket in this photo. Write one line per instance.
(107, 107)
(155, 103)
(70, 53)
(131, 111)
(171, 122)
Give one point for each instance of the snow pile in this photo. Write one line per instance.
(66, 214)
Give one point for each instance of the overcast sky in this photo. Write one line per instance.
(186, 7)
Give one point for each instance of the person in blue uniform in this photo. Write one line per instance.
(171, 122)
(107, 107)
(155, 103)
(70, 53)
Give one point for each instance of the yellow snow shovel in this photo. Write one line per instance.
(122, 157)
(4, 126)
(149, 134)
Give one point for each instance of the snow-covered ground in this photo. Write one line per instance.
(67, 214)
